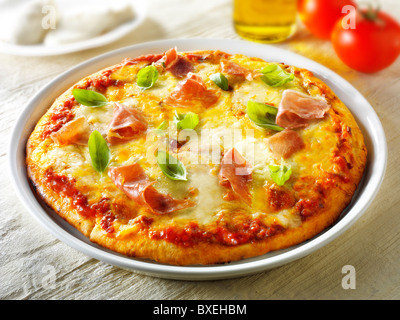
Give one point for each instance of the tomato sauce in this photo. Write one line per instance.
(60, 116)
(191, 234)
(102, 81)
(308, 207)
(65, 187)
(279, 198)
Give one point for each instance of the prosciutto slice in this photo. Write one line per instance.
(127, 123)
(168, 59)
(181, 67)
(133, 181)
(76, 131)
(297, 109)
(234, 69)
(192, 91)
(178, 65)
(285, 143)
(235, 174)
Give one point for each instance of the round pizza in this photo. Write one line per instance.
(198, 157)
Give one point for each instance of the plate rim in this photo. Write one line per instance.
(209, 272)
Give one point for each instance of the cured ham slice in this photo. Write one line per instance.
(133, 181)
(235, 174)
(192, 91)
(297, 109)
(285, 143)
(168, 59)
(234, 69)
(181, 67)
(127, 123)
(178, 65)
(76, 131)
(150, 58)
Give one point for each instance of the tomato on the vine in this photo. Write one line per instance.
(320, 16)
(372, 45)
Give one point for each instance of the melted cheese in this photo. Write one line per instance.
(221, 127)
(98, 118)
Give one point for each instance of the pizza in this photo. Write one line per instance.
(201, 157)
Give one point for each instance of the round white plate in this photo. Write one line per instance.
(361, 109)
(140, 9)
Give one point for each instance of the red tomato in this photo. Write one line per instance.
(320, 16)
(373, 45)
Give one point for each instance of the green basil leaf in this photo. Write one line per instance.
(186, 121)
(170, 166)
(163, 125)
(220, 80)
(280, 174)
(99, 151)
(275, 76)
(147, 77)
(159, 131)
(263, 115)
(89, 98)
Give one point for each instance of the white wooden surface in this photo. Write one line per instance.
(29, 255)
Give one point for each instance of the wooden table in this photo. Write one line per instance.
(35, 265)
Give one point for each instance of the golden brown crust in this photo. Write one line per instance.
(319, 199)
(52, 198)
(351, 145)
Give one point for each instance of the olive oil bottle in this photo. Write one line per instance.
(266, 21)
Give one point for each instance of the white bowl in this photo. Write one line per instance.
(35, 50)
(359, 106)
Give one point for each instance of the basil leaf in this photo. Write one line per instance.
(186, 121)
(280, 174)
(170, 166)
(99, 151)
(147, 77)
(275, 76)
(159, 131)
(163, 125)
(89, 98)
(220, 80)
(263, 115)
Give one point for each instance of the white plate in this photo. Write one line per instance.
(140, 9)
(361, 109)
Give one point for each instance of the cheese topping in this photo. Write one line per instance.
(222, 126)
